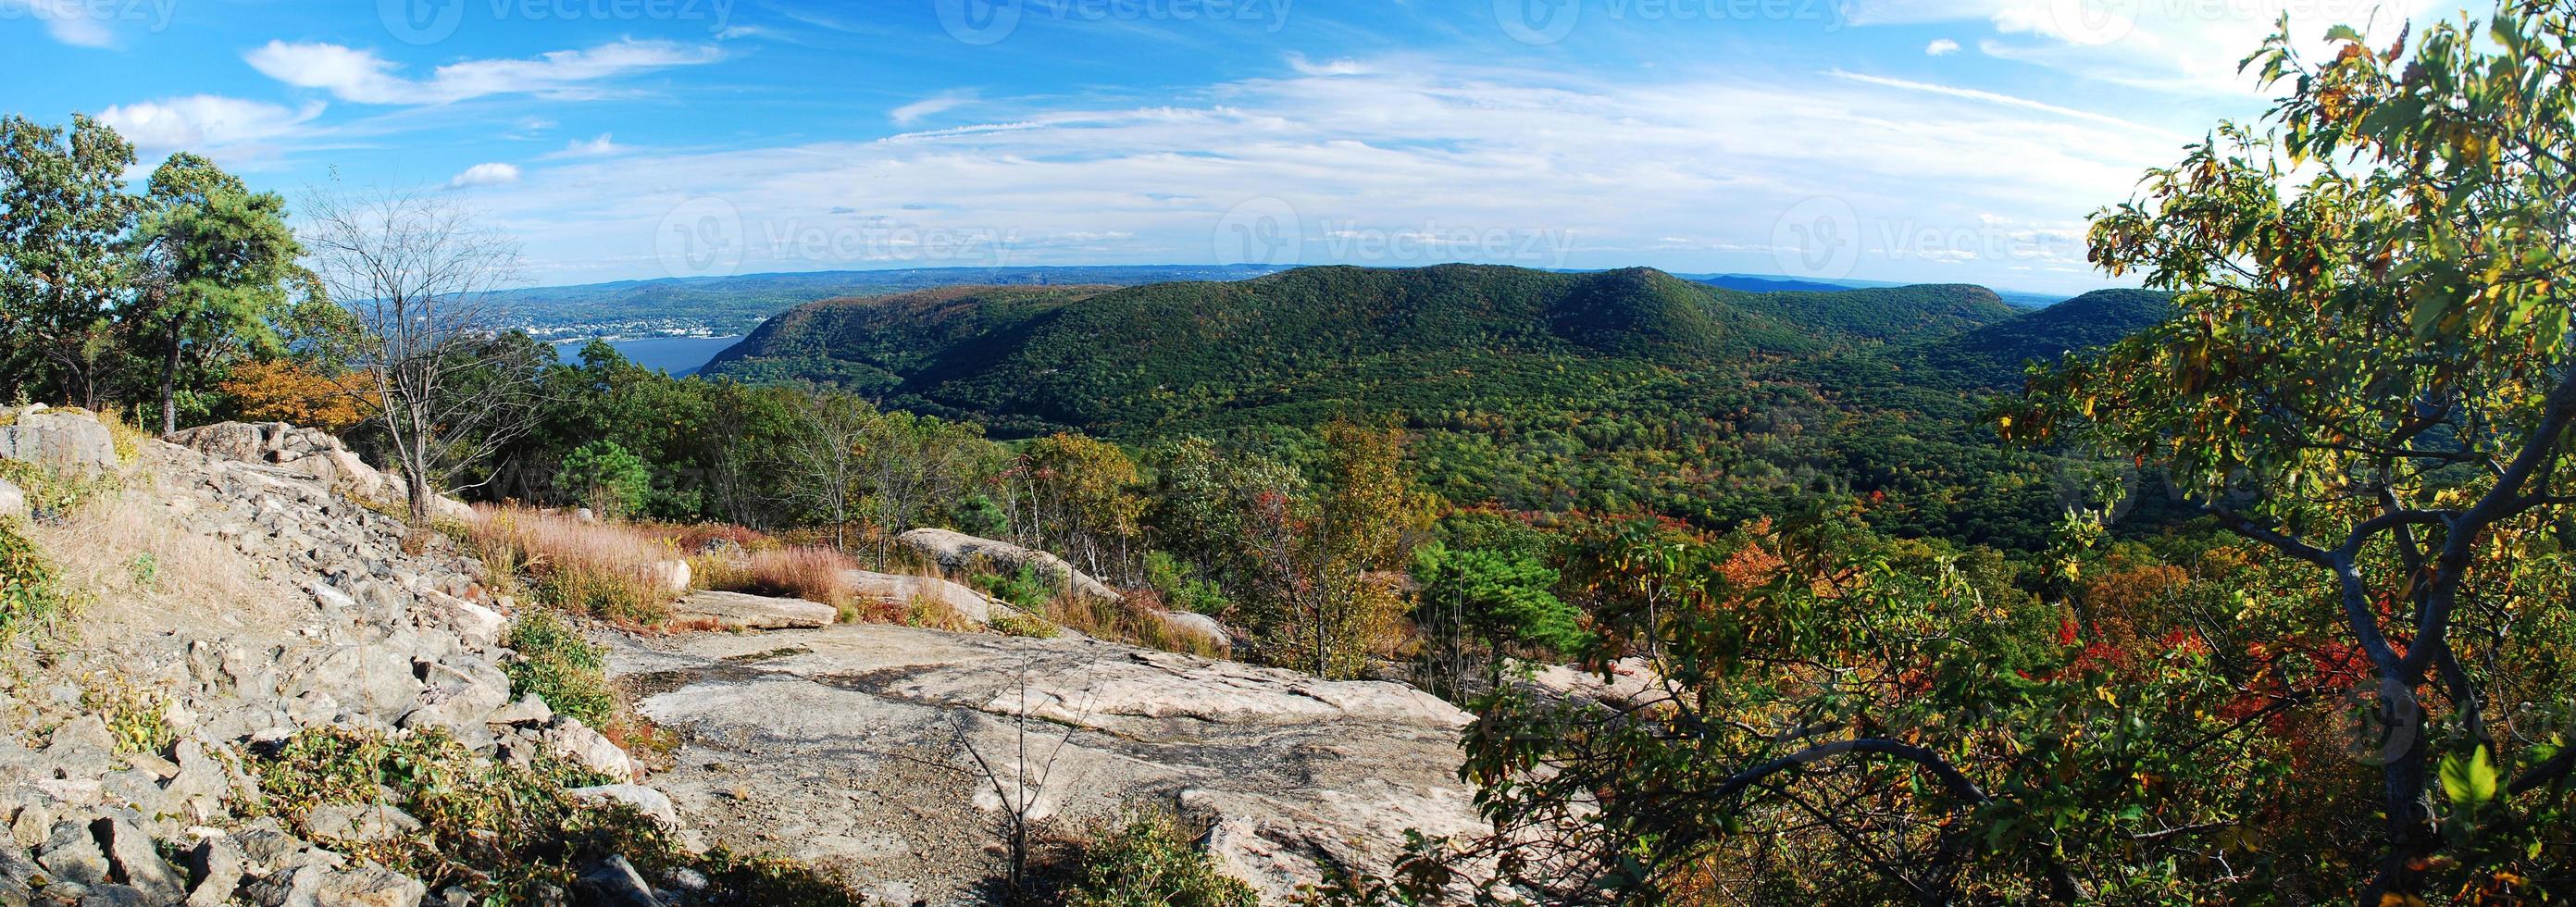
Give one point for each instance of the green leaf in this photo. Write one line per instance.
(2470, 782)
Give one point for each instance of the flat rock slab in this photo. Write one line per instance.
(737, 611)
(859, 746)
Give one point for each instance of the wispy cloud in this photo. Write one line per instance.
(2181, 47)
(485, 175)
(74, 22)
(602, 146)
(1941, 47)
(942, 102)
(361, 76)
(1400, 149)
(231, 130)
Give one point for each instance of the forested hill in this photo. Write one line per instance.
(1614, 390)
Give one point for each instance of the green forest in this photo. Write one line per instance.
(2248, 586)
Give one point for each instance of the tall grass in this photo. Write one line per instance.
(606, 570)
(812, 573)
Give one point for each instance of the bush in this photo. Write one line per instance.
(30, 591)
(1179, 588)
(560, 667)
(1026, 589)
(606, 478)
(501, 831)
(1144, 860)
(1029, 625)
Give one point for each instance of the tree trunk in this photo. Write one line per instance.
(170, 383)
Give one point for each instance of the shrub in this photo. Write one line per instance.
(501, 831)
(30, 591)
(603, 569)
(606, 478)
(1026, 589)
(560, 667)
(51, 493)
(1144, 860)
(1022, 624)
(1179, 588)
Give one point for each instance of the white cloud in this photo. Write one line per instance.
(485, 175)
(1941, 47)
(1342, 67)
(2184, 47)
(1433, 159)
(363, 77)
(72, 22)
(596, 147)
(909, 114)
(217, 126)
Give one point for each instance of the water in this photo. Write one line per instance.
(680, 356)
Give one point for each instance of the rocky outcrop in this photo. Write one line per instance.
(737, 611)
(308, 452)
(324, 617)
(856, 746)
(960, 555)
(903, 591)
(67, 440)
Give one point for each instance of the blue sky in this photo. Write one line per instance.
(1914, 140)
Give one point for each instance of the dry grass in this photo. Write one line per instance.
(810, 573)
(1135, 621)
(128, 563)
(606, 570)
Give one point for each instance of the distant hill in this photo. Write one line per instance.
(732, 305)
(1612, 390)
(1885, 316)
(1121, 361)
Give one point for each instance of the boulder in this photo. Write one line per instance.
(13, 500)
(1200, 627)
(827, 747)
(673, 575)
(645, 800)
(368, 886)
(569, 739)
(959, 554)
(63, 440)
(215, 866)
(613, 882)
(134, 860)
(902, 591)
(737, 611)
(311, 452)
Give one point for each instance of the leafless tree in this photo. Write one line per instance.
(422, 278)
(827, 463)
(1020, 783)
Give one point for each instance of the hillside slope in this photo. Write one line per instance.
(1628, 390)
(1291, 347)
